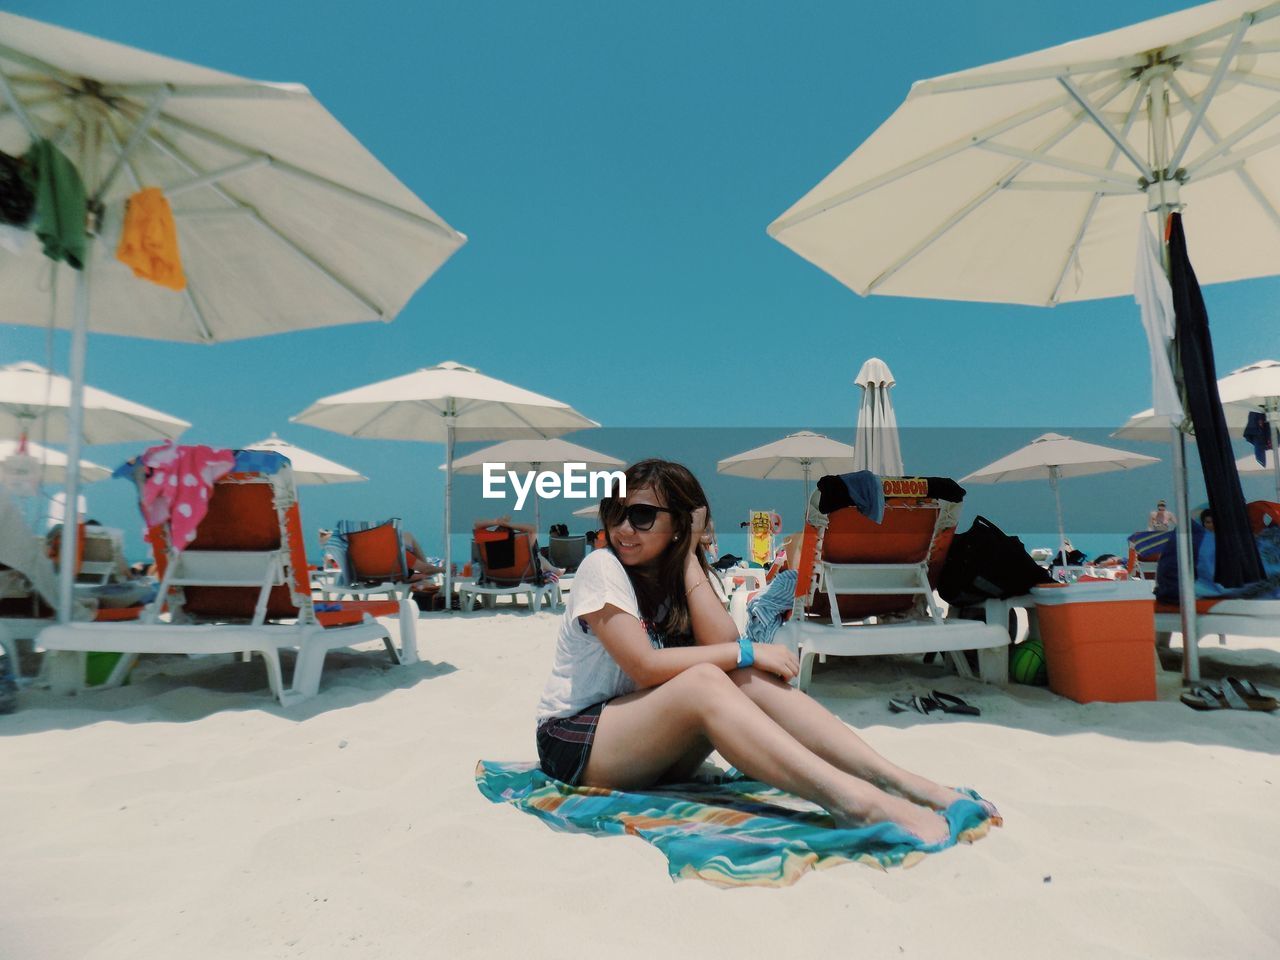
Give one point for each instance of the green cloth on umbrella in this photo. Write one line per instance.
(59, 219)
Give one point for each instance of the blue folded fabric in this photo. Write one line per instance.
(766, 610)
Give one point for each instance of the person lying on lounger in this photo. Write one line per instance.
(544, 565)
(650, 676)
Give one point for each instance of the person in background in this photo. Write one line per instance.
(1160, 518)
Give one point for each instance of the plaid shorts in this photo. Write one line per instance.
(564, 744)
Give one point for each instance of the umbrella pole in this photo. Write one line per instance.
(75, 437)
(448, 514)
(805, 513)
(1057, 499)
(1273, 424)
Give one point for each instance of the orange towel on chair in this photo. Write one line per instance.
(149, 240)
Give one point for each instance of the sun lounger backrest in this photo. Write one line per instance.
(521, 569)
(567, 552)
(1262, 511)
(252, 513)
(913, 530)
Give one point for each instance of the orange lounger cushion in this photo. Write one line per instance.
(1202, 606)
(353, 611)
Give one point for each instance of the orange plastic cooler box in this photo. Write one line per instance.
(1099, 639)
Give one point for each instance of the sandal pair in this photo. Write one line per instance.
(1234, 694)
(944, 702)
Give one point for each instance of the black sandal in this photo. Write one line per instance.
(918, 704)
(948, 703)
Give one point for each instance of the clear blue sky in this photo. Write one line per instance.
(615, 166)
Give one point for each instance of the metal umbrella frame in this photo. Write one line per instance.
(1173, 111)
(284, 220)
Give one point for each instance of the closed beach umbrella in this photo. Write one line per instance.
(1051, 457)
(1025, 181)
(534, 455)
(37, 402)
(283, 221)
(876, 443)
(797, 456)
(52, 464)
(308, 467)
(443, 404)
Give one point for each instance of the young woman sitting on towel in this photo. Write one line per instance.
(650, 677)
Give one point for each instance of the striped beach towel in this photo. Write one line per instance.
(729, 832)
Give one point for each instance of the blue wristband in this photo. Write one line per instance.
(746, 652)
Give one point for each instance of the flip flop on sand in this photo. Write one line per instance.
(1247, 692)
(953, 704)
(1204, 696)
(918, 704)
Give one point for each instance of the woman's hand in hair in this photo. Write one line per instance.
(697, 527)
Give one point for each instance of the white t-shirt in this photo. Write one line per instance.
(585, 672)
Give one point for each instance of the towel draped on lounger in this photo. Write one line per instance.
(730, 832)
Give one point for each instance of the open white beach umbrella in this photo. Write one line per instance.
(37, 402)
(592, 510)
(443, 404)
(1025, 181)
(876, 442)
(52, 464)
(1254, 388)
(1051, 457)
(797, 456)
(284, 221)
(534, 454)
(308, 467)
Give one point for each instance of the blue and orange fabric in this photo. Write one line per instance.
(149, 240)
(733, 832)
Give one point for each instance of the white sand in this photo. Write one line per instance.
(190, 816)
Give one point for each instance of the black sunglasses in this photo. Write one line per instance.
(641, 516)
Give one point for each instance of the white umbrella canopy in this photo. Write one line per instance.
(53, 463)
(1024, 181)
(535, 453)
(308, 467)
(876, 441)
(1253, 388)
(285, 221)
(591, 511)
(1052, 456)
(35, 401)
(444, 403)
(797, 456)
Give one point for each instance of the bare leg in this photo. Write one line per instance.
(641, 736)
(830, 738)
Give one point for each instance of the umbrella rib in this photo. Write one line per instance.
(123, 153)
(1210, 90)
(1035, 157)
(248, 90)
(957, 83)
(1074, 251)
(1096, 116)
(437, 227)
(956, 146)
(1249, 183)
(202, 326)
(57, 73)
(162, 142)
(1260, 80)
(1222, 146)
(215, 176)
(16, 105)
(972, 205)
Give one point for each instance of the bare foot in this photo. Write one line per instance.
(928, 826)
(938, 797)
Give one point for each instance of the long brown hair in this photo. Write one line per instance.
(660, 589)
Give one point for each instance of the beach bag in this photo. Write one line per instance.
(985, 563)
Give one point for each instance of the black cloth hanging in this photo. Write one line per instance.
(1237, 561)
